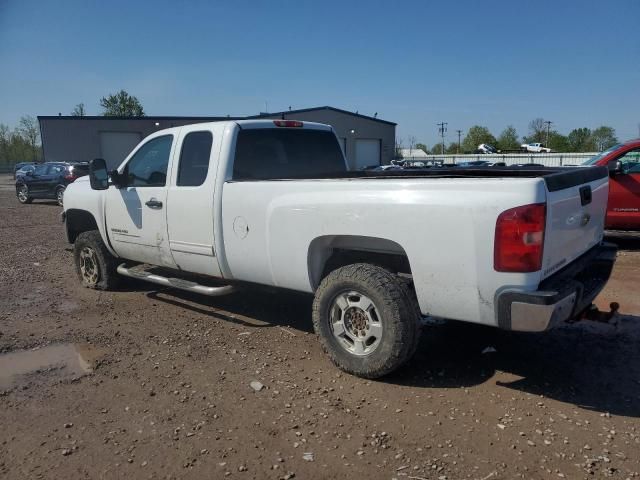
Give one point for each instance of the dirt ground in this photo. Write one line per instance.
(155, 383)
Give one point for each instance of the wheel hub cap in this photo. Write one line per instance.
(89, 265)
(355, 323)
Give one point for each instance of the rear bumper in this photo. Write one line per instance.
(561, 297)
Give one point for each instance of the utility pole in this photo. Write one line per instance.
(548, 124)
(442, 129)
(459, 132)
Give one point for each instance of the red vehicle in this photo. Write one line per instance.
(623, 160)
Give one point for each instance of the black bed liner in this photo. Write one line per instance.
(556, 178)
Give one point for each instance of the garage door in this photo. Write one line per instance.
(115, 146)
(367, 152)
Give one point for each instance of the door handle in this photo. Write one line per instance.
(153, 203)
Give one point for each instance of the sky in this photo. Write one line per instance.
(416, 63)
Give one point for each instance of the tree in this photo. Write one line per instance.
(79, 110)
(558, 142)
(508, 139)
(121, 104)
(452, 148)
(580, 140)
(412, 141)
(475, 136)
(28, 129)
(604, 137)
(537, 131)
(423, 147)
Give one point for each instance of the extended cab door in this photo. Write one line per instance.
(136, 213)
(624, 193)
(190, 200)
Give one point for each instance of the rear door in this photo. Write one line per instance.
(624, 194)
(575, 217)
(190, 199)
(136, 213)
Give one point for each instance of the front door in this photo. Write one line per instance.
(624, 194)
(38, 181)
(136, 213)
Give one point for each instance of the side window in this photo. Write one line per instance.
(55, 169)
(40, 170)
(194, 159)
(148, 166)
(630, 162)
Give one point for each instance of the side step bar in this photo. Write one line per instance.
(174, 282)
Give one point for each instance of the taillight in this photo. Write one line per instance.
(288, 123)
(71, 177)
(519, 239)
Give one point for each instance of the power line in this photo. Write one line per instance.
(442, 129)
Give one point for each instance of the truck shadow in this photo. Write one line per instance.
(591, 365)
(257, 308)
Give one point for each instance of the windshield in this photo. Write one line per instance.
(594, 160)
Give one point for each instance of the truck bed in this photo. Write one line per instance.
(556, 178)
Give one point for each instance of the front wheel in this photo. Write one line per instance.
(22, 192)
(95, 266)
(367, 320)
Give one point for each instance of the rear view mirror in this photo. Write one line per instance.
(615, 167)
(98, 176)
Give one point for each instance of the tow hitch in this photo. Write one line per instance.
(596, 315)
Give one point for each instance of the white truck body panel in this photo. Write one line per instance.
(280, 232)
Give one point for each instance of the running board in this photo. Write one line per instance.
(174, 282)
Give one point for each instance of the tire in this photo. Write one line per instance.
(22, 192)
(60, 195)
(95, 266)
(360, 302)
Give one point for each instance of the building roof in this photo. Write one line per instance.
(326, 107)
(212, 118)
(146, 117)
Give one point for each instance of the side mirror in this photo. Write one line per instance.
(98, 176)
(29, 173)
(615, 167)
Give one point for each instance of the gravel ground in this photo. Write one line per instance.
(170, 392)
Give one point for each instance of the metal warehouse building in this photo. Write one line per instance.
(366, 140)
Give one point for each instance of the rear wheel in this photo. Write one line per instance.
(367, 320)
(95, 266)
(22, 192)
(60, 195)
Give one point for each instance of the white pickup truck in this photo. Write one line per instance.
(213, 206)
(534, 148)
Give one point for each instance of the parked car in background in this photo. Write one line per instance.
(19, 166)
(534, 148)
(480, 163)
(623, 160)
(47, 180)
(486, 149)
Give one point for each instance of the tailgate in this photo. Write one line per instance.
(576, 209)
